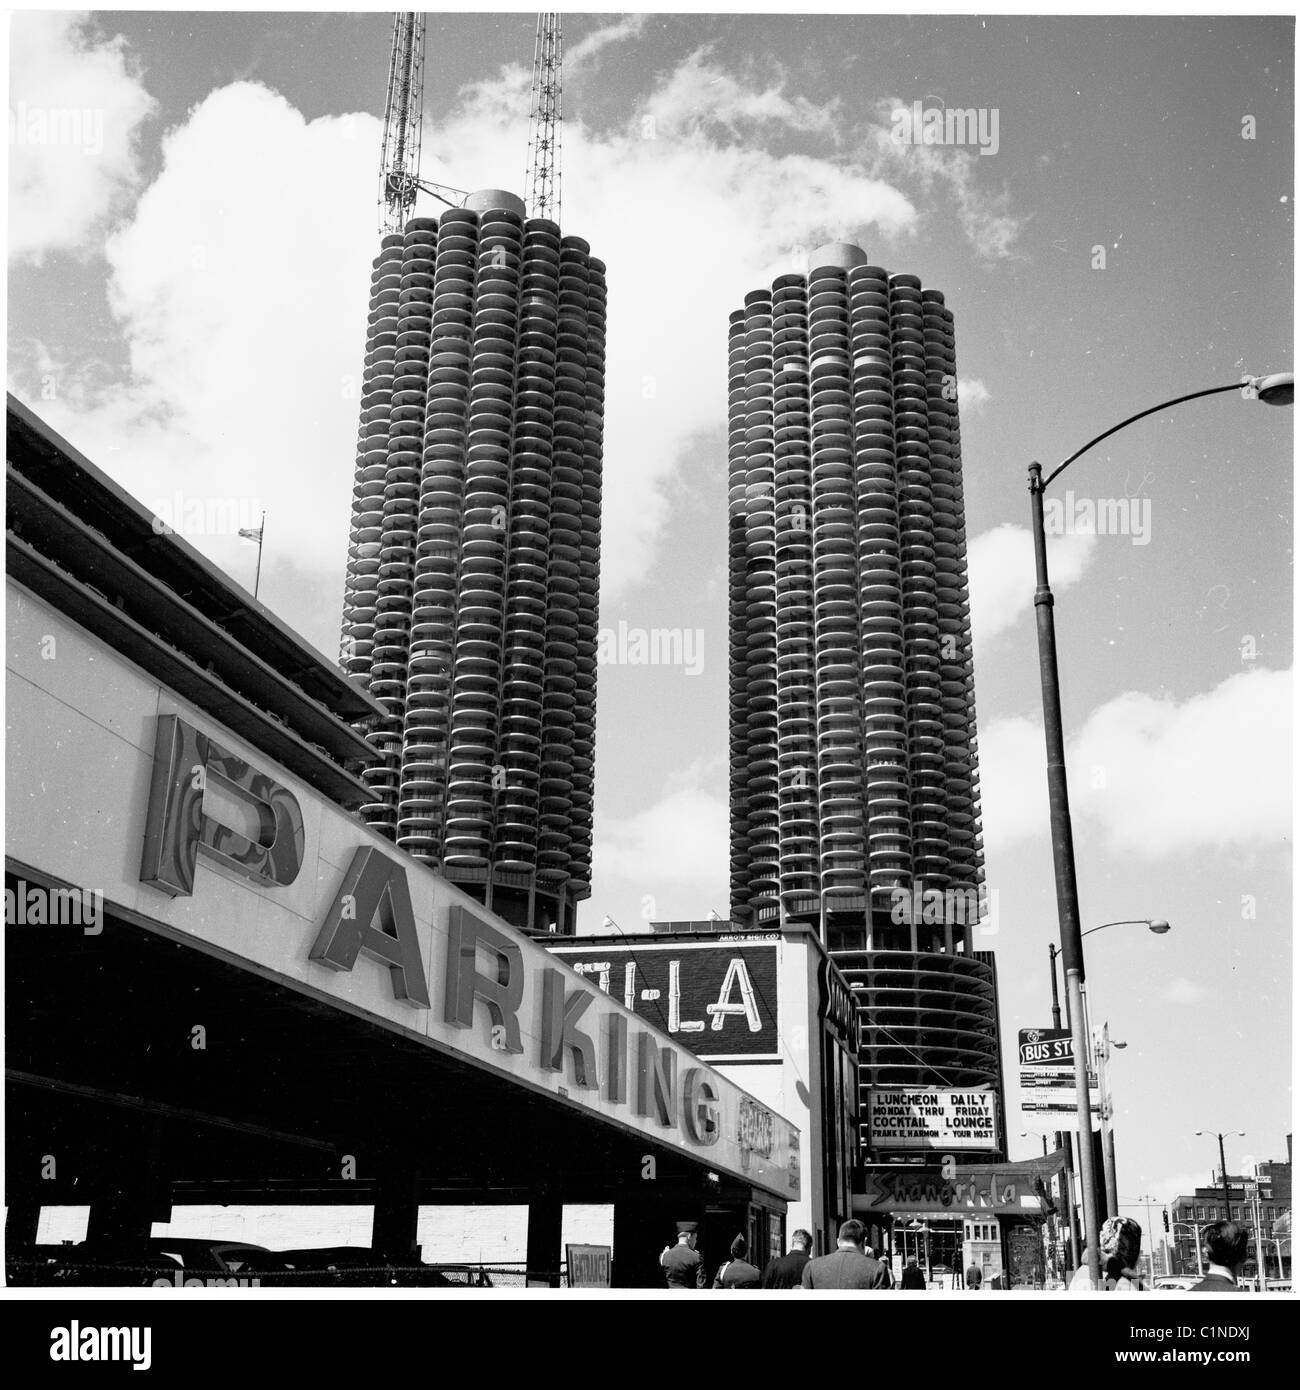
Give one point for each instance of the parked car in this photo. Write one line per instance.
(127, 1264)
(354, 1266)
(1174, 1282)
(225, 1259)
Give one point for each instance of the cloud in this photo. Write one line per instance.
(577, 57)
(1001, 566)
(972, 394)
(1013, 782)
(687, 223)
(240, 286)
(701, 95)
(1212, 773)
(76, 104)
(1158, 779)
(681, 840)
(984, 215)
(1184, 991)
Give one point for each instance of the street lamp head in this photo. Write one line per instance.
(1113, 1043)
(1275, 389)
(1158, 925)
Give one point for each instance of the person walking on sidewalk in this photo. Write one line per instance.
(848, 1268)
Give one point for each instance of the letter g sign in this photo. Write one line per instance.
(177, 828)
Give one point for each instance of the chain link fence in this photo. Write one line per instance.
(70, 1270)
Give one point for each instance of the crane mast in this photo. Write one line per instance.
(399, 170)
(542, 176)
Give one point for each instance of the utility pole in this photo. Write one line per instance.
(1107, 1122)
(1251, 1191)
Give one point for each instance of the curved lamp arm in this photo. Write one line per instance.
(1142, 414)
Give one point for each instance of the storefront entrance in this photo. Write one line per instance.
(934, 1242)
(763, 1229)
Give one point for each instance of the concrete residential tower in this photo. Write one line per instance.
(854, 785)
(473, 564)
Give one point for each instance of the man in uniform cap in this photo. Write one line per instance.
(682, 1263)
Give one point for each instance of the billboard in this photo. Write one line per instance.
(948, 1121)
(717, 999)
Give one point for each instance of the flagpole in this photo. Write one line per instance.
(261, 537)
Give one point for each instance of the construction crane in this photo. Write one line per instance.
(542, 176)
(399, 169)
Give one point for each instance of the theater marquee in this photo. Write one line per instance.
(947, 1121)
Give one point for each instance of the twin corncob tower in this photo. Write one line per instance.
(854, 789)
(473, 571)
(852, 689)
(474, 555)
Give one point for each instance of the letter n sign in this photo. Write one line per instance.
(185, 762)
(656, 1081)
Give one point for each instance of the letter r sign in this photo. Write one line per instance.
(186, 763)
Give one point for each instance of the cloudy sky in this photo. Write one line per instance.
(191, 221)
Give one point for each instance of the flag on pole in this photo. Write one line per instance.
(252, 533)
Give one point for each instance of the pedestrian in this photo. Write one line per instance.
(1224, 1245)
(848, 1268)
(870, 1253)
(683, 1265)
(785, 1271)
(737, 1272)
(974, 1277)
(1120, 1241)
(912, 1276)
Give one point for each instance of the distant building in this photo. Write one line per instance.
(1191, 1213)
(770, 1010)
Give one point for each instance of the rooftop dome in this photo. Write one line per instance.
(488, 199)
(837, 253)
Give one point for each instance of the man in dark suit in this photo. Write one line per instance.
(1224, 1245)
(786, 1271)
(848, 1268)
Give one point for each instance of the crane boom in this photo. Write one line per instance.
(545, 117)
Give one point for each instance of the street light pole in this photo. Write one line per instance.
(1223, 1164)
(1223, 1175)
(1056, 1003)
(1278, 389)
(1067, 890)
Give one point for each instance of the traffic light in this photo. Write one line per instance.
(1165, 1214)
